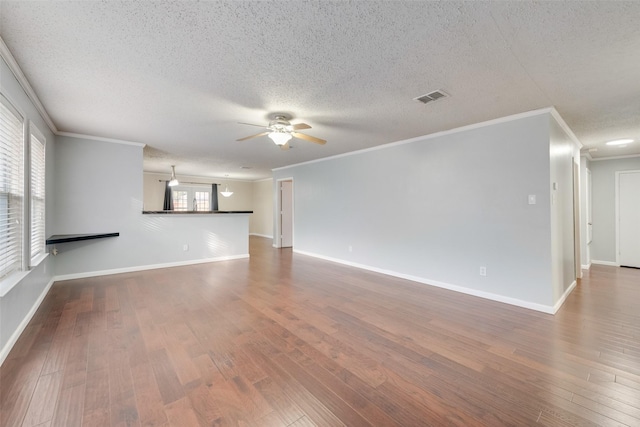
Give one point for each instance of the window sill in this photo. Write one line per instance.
(13, 279)
(10, 281)
(37, 260)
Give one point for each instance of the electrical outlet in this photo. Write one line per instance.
(350, 248)
(483, 271)
(185, 247)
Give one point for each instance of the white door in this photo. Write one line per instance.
(589, 217)
(589, 210)
(286, 214)
(629, 218)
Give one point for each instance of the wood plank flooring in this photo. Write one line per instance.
(288, 340)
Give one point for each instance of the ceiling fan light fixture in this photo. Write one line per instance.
(279, 137)
(173, 181)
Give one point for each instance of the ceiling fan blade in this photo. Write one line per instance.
(299, 126)
(309, 138)
(285, 147)
(252, 136)
(251, 124)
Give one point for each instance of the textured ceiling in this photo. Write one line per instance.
(178, 76)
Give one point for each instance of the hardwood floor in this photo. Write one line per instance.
(288, 340)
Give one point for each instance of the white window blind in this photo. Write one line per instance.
(11, 188)
(37, 182)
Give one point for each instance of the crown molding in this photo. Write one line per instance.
(629, 156)
(101, 139)
(5, 53)
(547, 110)
(565, 127)
(586, 155)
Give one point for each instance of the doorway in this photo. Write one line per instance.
(627, 214)
(285, 213)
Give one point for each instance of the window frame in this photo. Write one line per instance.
(34, 133)
(15, 268)
(191, 190)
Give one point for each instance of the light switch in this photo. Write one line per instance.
(532, 199)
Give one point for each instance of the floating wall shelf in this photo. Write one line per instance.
(66, 238)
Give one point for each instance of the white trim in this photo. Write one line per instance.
(38, 259)
(6, 54)
(202, 177)
(457, 288)
(611, 263)
(146, 267)
(263, 179)
(9, 282)
(628, 156)
(260, 235)
(565, 127)
(21, 327)
(586, 267)
(101, 139)
(547, 110)
(586, 155)
(563, 298)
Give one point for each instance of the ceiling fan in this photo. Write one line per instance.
(280, 130)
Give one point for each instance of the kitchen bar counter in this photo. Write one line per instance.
(194, 212)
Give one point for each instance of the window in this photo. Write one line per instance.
(202, 200)
(11, 188)
(37, 193)
(180, 198)
(191, 198)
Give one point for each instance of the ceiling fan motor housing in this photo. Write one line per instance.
(280, 124)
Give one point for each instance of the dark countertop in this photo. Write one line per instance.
(195, 212)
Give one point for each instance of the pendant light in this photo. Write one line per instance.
(226, 192)
(173, 181)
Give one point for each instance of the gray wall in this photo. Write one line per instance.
(603, 176)
(100, 190)
(438, 209)
(16, 305)
(562, 154)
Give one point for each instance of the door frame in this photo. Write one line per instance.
(577, 259)
(618, 173)
(279, 212)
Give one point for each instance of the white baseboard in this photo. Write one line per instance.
(145, 267)
(16, 334)
(610, 263)
(564, 296)
(261, 235)
(457, 288)
(586, 267)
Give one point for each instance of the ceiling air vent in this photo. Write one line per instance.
(432, 96)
